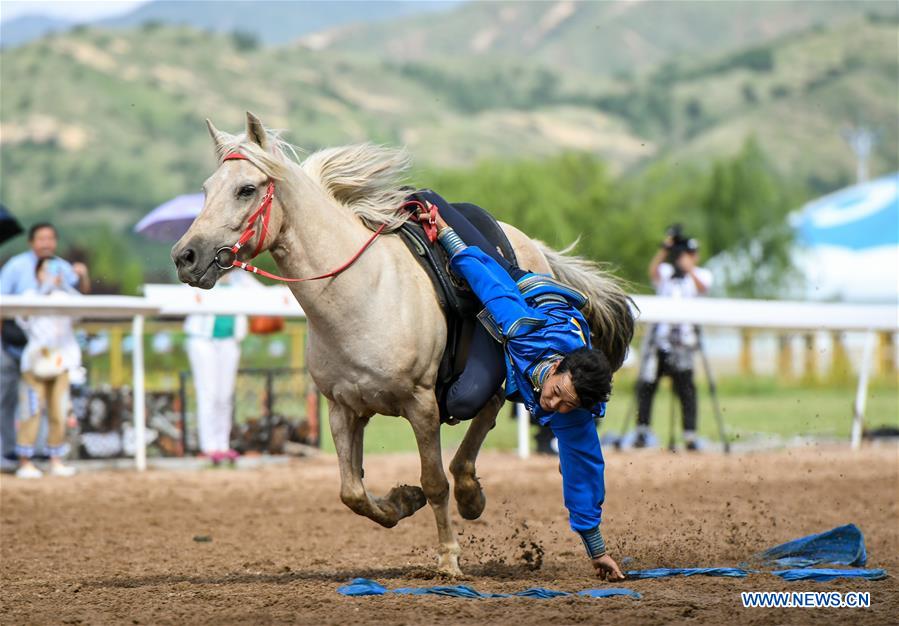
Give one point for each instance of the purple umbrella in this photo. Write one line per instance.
(169, 221)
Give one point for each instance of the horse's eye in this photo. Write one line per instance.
(246, 191)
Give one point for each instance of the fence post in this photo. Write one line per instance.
(746, 352)
(886, 355)
(811, 359)
(139, 408)
(785, 357)
(297, 351)
(861, 394)
(116, 366)
(269, 405)
(182, 396)
(839, 359)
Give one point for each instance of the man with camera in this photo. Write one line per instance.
(669, 348)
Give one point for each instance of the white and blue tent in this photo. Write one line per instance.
(847, 243)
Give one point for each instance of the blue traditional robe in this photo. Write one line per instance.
(538, 322)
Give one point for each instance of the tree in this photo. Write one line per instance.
(744, 212)
(737, 209)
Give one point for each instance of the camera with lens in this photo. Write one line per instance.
(679, 244)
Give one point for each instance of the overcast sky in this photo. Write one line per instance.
(71, 10)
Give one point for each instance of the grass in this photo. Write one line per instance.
(782, 411)
(750, 405)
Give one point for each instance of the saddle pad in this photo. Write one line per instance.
(457, 301)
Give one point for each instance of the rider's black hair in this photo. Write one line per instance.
(591, 375)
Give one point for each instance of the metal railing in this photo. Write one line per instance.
(264, 400)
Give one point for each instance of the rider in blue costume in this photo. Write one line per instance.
(551, 367)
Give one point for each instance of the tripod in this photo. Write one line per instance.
(713, 390)
(630, 415)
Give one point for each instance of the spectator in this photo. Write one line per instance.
(49, 355)
(213, 347)
(669, 349)
(18, 276)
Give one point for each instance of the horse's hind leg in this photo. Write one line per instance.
(426, 426)
(347, 429)
(469, 496)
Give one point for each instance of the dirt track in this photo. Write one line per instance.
(119, 548)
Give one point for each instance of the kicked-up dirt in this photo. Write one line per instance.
(272, 545)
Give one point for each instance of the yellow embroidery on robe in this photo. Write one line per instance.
(580, 331)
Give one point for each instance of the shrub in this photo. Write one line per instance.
(244, 41)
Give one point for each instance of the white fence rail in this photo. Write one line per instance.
(178, 300)
(779, 314)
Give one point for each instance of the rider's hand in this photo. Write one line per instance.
(607, 569)
(441, 223)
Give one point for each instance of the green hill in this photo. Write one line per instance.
(98, 118)
(97, 126)
(621, 36)
(269, 21)
(796, 95)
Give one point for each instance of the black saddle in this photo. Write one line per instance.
(459, 304)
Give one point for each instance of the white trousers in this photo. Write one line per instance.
(213, 363)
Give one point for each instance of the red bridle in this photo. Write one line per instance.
(264, 210)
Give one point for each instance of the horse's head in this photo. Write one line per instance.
(249, 166)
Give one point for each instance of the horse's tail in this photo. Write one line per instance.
(608, 309)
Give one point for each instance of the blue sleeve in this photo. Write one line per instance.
(9, 276)
(495, 289)
(583, 468)
(69, 276)
(6, 280)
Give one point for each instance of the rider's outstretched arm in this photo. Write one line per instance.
(583, 485)
(583, 468)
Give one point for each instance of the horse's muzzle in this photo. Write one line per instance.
(194, 267)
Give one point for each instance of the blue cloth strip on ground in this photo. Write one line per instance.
(823, 575)
(663, 572)
(844, 545)
(365, 587)
(362, 587)
(606, 593)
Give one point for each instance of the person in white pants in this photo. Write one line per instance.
(213, 347)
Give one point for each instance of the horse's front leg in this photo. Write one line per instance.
(467, 489)
(425, 421)
(347, 430)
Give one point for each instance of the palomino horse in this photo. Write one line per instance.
(376, 330)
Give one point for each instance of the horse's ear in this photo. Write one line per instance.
(256, 131)
(216, 135)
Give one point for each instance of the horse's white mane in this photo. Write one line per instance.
(365, 178)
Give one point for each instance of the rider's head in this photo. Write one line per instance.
(580, 380)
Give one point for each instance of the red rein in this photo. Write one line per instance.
(264, 210)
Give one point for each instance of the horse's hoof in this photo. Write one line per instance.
(454, 573)
(470, 498)
(407, 499)
(449, 567)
